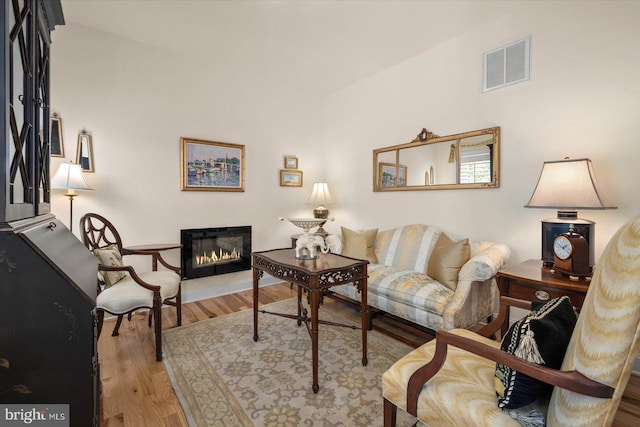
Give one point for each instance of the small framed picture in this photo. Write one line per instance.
(211, 165)
(55, 135)
(289, 178)
(84, 152)
(290, 162)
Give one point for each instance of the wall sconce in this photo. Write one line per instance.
(69, 177)
(567, 185)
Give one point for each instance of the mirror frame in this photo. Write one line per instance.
(425, 138)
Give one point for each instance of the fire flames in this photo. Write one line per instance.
(216, 258)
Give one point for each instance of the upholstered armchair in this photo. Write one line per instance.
(451, 380)
(121, 289)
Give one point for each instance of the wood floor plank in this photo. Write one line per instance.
(136, 391)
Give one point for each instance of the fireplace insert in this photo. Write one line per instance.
(211, 251)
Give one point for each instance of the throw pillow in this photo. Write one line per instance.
(447, 259)
(359, 244)
(541, 337)
(110, 256)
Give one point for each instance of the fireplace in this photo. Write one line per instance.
(211, 251)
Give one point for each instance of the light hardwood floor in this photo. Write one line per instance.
(136, 391)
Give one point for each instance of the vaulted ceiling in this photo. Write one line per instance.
(313, 46)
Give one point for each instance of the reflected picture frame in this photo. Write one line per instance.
(211, 165)
(84, 152)
(290, 178)
(391, 175)
(56, 142)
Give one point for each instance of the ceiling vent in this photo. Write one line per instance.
(507, 65)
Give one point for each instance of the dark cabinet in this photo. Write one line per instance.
(48, 352)
(25, 107)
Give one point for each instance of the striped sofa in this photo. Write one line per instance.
(399, 285)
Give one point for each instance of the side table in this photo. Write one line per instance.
(532, 281)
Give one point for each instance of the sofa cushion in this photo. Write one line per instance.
(110, 256)
(407, 247)
(446, 260)
(389, 285)
(359, 244)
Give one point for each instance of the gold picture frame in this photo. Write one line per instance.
(211, 165)
(290, 178)
(290, 162)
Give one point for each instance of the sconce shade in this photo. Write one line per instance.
(568, 184)
(69, 177)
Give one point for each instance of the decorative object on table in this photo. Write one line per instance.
(290, 178)
(55, 136)
(567, 185)
(320, 196)
(211, 166)
(69, 177)
(290, 162)
(84, 151)
(306, 243)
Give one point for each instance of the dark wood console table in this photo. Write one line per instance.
(532, 281)
(316, 276)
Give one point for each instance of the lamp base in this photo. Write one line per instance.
(321, 212)
(553, 227)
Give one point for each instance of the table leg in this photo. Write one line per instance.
(365, 320)
(314, 302)
(299, 305)
(256, 278)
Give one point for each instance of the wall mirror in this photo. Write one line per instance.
(432, 162)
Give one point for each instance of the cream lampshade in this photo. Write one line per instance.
(567, 185)
(69, 177)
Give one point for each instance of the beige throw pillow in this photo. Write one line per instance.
(359, 245)
(447, 259)
(110, 256)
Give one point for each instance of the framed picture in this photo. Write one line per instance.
(290, 162)
(84, 152)
(211, 166)
(289, 178)
(391, 175)
(55, 135)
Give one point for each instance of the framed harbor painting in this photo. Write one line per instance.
(290, 178)
(211, 166)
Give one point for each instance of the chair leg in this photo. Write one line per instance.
(116, 329)
(390, 411)
(100, 318)
(158, 328)
(150, 318)
(179, 305)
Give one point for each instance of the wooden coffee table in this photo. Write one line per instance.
(316, 276)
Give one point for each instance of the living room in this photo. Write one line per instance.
(329, 82)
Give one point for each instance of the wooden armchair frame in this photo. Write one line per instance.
(570, 380)
(97, 233)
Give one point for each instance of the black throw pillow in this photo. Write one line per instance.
(541, 337)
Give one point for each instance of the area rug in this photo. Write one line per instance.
(223, 378)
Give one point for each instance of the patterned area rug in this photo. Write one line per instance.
(223, 378)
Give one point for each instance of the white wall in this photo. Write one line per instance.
(583, 100)
(137, 101)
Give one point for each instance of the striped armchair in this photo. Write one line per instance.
(399, 284)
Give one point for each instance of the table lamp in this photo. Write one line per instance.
(69, 177)
(567, 185)
(320, 196)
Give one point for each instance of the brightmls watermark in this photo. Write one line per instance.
(34, 415)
